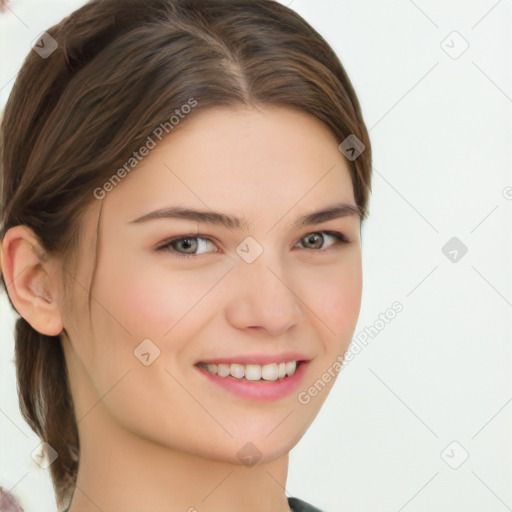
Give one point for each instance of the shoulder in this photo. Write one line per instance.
(301, 506)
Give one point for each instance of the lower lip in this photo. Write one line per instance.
(259, 390)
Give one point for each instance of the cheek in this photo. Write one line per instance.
(154, 300)
(336, 300)
(150, 307)
(147, 300)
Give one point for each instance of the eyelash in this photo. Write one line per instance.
(167, 246)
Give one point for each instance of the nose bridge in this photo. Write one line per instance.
(264, 295)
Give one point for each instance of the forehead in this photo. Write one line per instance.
(259, 160)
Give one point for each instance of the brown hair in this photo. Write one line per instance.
(120, 70)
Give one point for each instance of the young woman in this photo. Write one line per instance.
(183, 187)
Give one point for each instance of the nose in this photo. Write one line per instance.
(263, 297)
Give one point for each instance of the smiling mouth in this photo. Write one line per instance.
(253, 372)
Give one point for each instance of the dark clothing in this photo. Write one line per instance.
(297, 505)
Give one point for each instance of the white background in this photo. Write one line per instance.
(441, 370)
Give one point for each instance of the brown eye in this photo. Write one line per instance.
(317, 239)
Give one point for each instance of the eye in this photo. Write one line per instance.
(194, 243)
(317, 238)
(189, 243)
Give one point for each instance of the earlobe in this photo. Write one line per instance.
(31, 280)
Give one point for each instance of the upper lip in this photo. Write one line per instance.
(260, 359)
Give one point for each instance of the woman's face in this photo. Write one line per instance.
(270, 290)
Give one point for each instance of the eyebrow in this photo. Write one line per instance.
(231, 222)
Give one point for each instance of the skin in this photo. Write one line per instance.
(162, 437)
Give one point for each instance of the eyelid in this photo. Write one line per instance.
(341, 239)
(165, 243)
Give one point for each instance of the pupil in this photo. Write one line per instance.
(187, 241)
(311, 237)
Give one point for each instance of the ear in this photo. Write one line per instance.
(31, 280)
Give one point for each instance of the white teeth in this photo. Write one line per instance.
(269, 372)
(272, 371)
(222, 370)
(291, 367)
(237, 370)
(253, 372)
